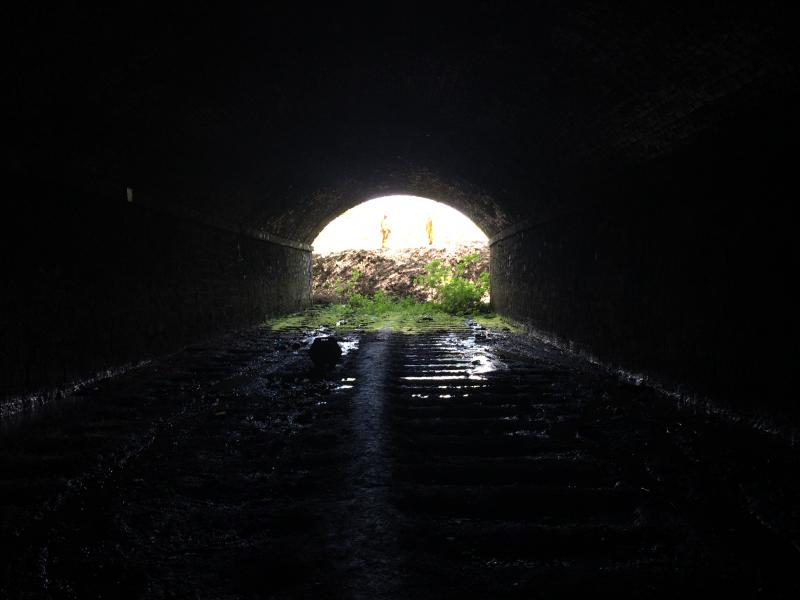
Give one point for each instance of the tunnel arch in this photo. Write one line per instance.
(312, 207)
(601, 150)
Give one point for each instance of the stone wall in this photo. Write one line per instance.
(93, 282)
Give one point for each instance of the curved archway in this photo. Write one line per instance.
(301, 210)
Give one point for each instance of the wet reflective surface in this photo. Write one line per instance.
(438, 465)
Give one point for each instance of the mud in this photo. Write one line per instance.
(468, 463)
(392, 271)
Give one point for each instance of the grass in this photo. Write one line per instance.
(492, 320)
(382, 312)
(456, 300)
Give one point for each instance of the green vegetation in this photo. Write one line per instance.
(401, 316)
(452, 290)
(347, 289)
(456, 298)
(492, 320)
(371, 314)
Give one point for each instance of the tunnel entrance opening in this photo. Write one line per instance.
(389, 243)
(399, 222)
(403, 263)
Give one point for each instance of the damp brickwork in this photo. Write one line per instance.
(677, 270)
(96, 282)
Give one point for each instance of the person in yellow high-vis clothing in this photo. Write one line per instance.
(385, 231)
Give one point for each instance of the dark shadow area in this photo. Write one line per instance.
(634, 168)
(679, 268)
(468, 462)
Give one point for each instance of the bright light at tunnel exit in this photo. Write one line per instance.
(407, 220)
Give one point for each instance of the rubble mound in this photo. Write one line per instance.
(392, 270)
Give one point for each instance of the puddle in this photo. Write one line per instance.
(348, 346)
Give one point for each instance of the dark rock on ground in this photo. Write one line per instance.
(325, 351)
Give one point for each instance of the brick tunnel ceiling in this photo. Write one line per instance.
(283, 120)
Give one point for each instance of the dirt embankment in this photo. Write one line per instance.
(392, 271)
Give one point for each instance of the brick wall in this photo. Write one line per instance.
(95, 282)
(681, 268)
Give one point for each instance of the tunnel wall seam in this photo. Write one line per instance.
(190, 214)
(523, 225)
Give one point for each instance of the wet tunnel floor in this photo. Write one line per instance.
(450, 464)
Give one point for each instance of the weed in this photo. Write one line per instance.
(381, 311)
(452, 290)
(346, 290)
(455, 295)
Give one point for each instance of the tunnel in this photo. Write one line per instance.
(633, 165)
